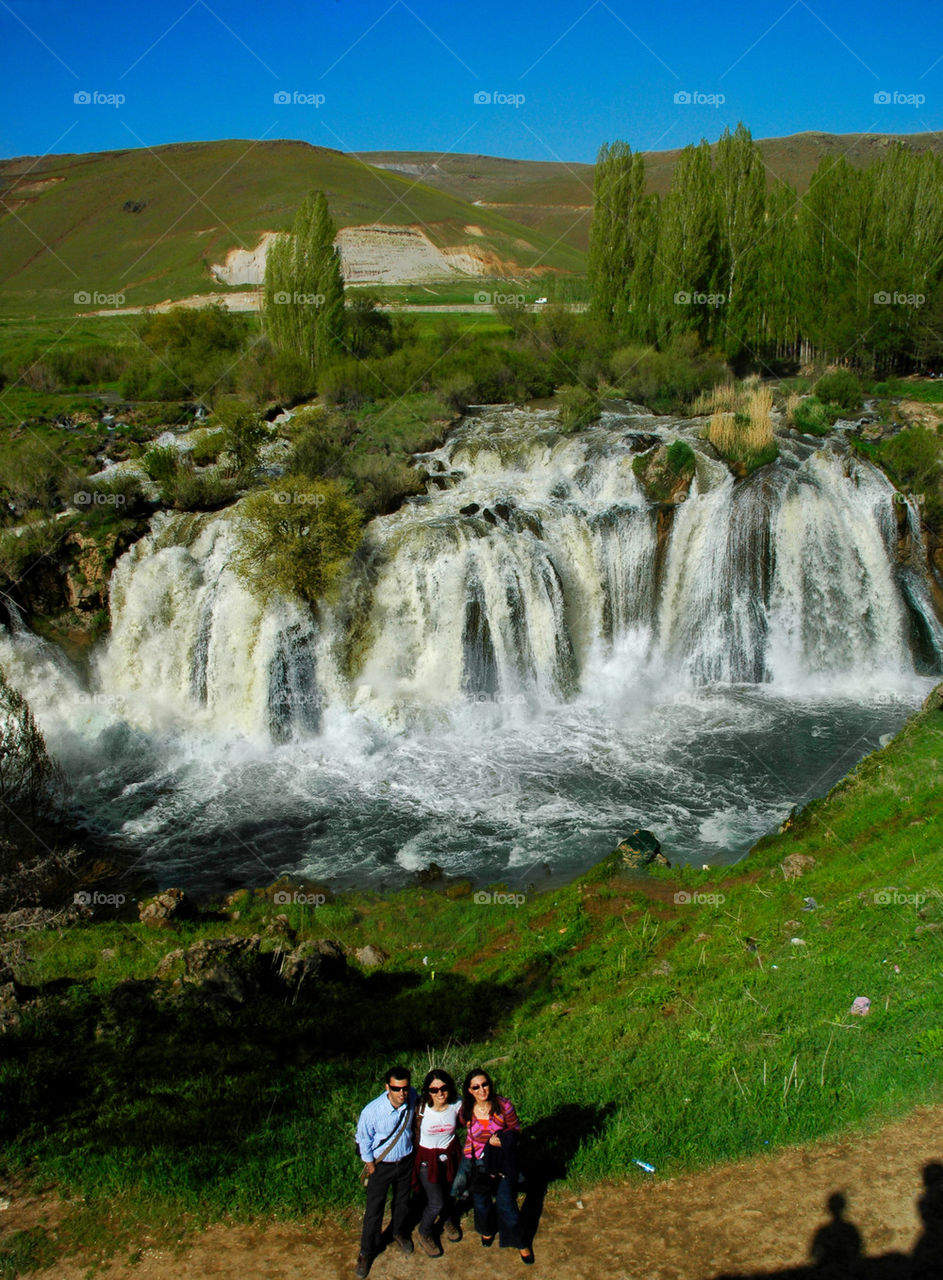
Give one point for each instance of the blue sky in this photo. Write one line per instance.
(562, 75)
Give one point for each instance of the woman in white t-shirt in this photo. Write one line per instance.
(438, 1151)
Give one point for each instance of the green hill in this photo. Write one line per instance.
(556, 197)
(149, 224)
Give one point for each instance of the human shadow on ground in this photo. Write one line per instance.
(837, 1252)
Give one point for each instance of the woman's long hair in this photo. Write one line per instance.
(425, 1097)
(469, 1099)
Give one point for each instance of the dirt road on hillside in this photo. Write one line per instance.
(757, 1217)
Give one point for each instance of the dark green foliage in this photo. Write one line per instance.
(207, 447)
(244, 432)
(186, 352)
(811, 417)
(206, 490)
(666, 381)
(369, 331)
(161, 463)
(30, 780)
(851, 271)
(296, 537)
(841, 388)
(578, 407)
(914, 460)
(303, 295)
(680, 457)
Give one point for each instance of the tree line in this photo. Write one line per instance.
(848, 272)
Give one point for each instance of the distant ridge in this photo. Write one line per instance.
(152, 223)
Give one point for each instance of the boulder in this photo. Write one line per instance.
(229, 969)
(322, 960)
(796, 865)
(370, 957)
(642, 849)
(161, 911)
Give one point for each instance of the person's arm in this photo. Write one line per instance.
(508, 1119)
(366, 1135)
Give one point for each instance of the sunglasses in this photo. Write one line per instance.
(476, 1087)
(399, 1088)
(434, 1088)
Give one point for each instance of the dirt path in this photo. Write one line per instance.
(755, 1216)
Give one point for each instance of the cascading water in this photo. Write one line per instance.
(538, 659)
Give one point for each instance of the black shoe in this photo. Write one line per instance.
(487, 1241)
(362, 1269)
(404, 1242)
(528, 1259)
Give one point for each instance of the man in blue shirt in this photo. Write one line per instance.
(385, 1141)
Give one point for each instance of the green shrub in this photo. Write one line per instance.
(840, 388)
(161, 463)
(207, 490)
(680, 457)
(117, 497)
(33, 477)
(318, 449)
(380, 483)
(297, 536)
(578, 407)
(811, 417)
(244, 432)
(207, 447)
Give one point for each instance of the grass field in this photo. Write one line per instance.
(682, 1018)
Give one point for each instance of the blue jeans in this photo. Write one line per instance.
(502, 1205)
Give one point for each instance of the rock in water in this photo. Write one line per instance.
(642, 849)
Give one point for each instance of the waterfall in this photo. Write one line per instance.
(190, 645)
(522, 664)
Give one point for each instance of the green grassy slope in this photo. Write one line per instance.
(66, 229)
(681, 1018)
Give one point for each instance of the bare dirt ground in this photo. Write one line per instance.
(757, 1216)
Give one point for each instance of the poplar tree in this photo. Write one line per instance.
(303, 293)
(740, 181)
(687, 245)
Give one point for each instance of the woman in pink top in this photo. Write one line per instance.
(492, 1131)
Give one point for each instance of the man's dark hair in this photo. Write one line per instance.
(398, 1073)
